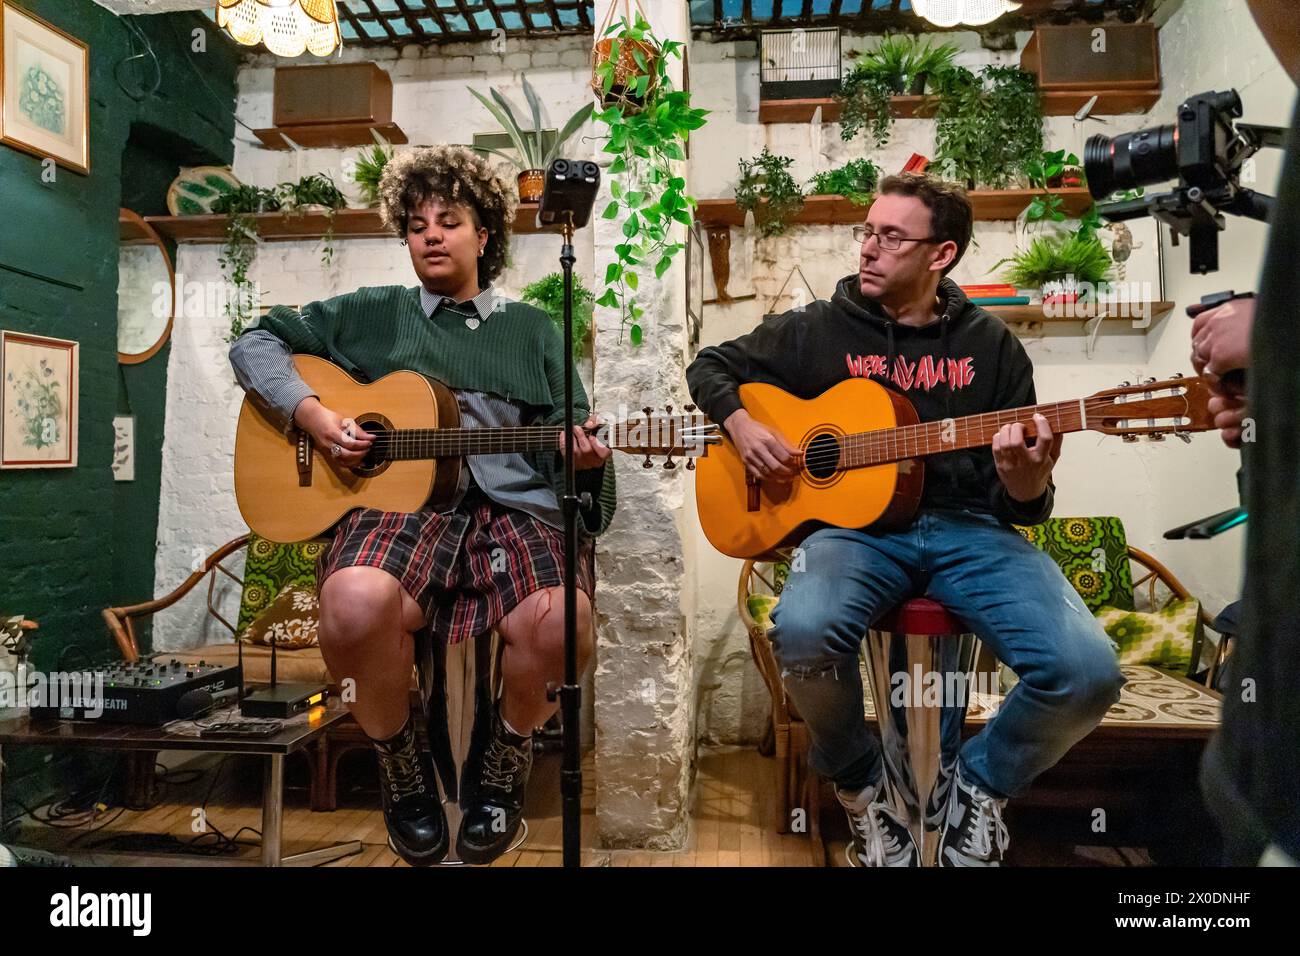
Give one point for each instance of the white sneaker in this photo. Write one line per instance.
(880, 837)
(973, 832)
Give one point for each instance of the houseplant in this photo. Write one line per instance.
(534, 157)
(1076, 258)
(768, 190)
(855, 180)
(547, 293)
(647, 195)
(367, 169)
(627, 62)
(241, 204)
(1051, 170)
(988, 125)
(315, 192)
(898, 64)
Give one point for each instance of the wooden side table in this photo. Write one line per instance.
(298, 732)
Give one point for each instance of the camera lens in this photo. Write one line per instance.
(1142, 158)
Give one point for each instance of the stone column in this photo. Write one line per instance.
(644, 691)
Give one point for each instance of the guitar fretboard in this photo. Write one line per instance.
(421, 443)
(885, 445)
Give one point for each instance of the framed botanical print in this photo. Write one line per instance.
(44, 89)
(38, 402)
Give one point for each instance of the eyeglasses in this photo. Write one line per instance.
(888, 242)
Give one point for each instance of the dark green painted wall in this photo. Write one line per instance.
(73, 541)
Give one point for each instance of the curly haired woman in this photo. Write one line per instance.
(495, 559)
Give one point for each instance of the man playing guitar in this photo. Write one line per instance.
(495, 559)
(901, 322)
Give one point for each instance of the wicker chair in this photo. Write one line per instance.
(461, 675)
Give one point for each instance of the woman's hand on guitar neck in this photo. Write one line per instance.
(766, 454)
(330, 429)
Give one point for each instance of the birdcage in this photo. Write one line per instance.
(799, 64)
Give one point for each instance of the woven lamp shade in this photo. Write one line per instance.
(286, 27)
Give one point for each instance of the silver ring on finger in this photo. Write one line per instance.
(336, 450)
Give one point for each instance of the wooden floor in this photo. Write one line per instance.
(730, 822)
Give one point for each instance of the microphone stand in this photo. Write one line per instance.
(570, 693)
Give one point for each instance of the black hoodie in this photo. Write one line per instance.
(965, 363)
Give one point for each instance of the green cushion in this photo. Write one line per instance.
(269, 568)
(760, 608)
(1092, 554)
(1160, 638)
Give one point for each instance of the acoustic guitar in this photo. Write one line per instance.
(863, 449)
(290, 490)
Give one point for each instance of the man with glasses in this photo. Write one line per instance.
(902, 322)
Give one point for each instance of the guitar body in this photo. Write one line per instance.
(881, 496)
(285, 500)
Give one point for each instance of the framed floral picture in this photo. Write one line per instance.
(44, 89)
(38, 403)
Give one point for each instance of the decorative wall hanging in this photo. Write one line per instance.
(124, 448)
(44, 89)
(38, 404)
(146, 292)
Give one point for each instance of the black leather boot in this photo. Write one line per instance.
(492, 793)
(417, 825)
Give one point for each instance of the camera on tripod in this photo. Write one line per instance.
(1205, 150)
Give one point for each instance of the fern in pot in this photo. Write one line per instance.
(767, 189)
(1059, 265)
(533, 155)
(366, 169)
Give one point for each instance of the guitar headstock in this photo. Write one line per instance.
(686, 435)
(1174, 406)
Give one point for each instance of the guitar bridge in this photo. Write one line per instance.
(303, 455)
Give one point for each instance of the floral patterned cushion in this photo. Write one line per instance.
(269, 568)
(290, 623)
(1093, 556)
(1162, 639)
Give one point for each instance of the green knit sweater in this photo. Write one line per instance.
(518, 353)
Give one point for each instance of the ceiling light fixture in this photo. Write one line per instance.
(287, 27)
(950, 13)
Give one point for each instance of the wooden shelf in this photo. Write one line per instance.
(1055, 103)
(988, 205)
(279, 227)
(330, 135)
(1081, 312)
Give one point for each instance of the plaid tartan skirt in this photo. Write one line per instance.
(467, 568)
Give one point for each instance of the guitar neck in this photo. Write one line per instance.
(864, 449)
(408, 444)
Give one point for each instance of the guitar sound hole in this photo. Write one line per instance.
(373, 463)
(822, 456)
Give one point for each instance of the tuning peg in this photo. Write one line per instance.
(1124, 384)
(647, 409)
(1187, 439)
(1148, 381)
(1156, 436)
(689, 408)
(690, 464)
(647, 463)
(669, 409)
(1129, 437)
(1176, 375)
(669, 464)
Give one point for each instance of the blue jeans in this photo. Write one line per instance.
(1010, 594)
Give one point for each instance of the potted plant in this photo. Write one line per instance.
(988, 125)
(926, 61)
(315, 192)
(241, 204)
(647, 194)
(768, 190)
(547, 293)
(534, 157)
(367, 169)
(855, 180)
(1058, 264)
(626, 62)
